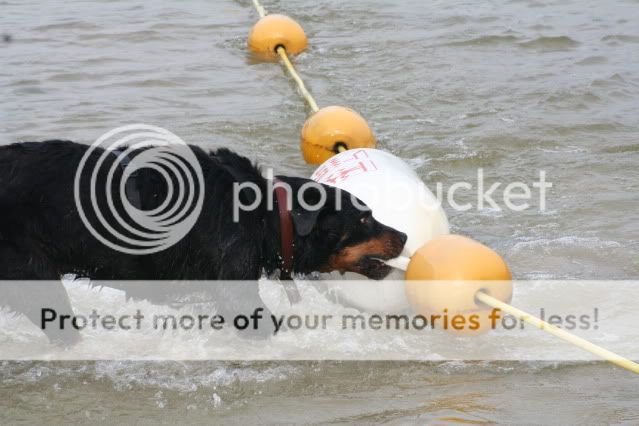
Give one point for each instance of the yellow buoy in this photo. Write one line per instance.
(334, 129)
(456, 268)
(273, 31)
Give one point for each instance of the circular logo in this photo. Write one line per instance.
(108, 173)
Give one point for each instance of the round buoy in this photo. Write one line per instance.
(334, 129)
(445, 274)
(273, 31)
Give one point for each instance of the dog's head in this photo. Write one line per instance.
(337, 231)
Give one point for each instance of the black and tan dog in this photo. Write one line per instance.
(43, 237)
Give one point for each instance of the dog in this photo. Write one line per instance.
(43, 236)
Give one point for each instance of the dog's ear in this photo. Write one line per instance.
(304, 221)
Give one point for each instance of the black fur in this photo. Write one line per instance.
(42, 236)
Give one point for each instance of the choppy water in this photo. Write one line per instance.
(509, 86)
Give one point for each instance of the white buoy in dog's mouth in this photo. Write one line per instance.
(400, 262)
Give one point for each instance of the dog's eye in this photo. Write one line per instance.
(365, 220)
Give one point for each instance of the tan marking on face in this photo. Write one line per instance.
(346, 259)
(387, 245)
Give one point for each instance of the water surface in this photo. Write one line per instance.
(513, 87)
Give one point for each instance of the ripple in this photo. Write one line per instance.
(541, 27)
(572, 99)
(568, 241)
(615, 80)
(461, 151)
(620, 149)
(590, 128)
(624, 38)
(455, 20)
(487, 40)
(133, 36)
(551, 43)
(141, 83)
(70, 76)
(593, 60)
(69, 25)
(24, 82)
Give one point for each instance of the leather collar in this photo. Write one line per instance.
(286, 243)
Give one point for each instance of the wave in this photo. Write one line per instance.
(621, 149)
(487, 40)
(568, 241)
(551, 43)
(593, 60)
(624, 38)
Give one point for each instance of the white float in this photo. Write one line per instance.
(399, 199)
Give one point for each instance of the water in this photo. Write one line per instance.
(510, 86)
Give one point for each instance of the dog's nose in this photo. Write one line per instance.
(403, 237)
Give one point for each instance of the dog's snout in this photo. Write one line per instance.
(402, 237)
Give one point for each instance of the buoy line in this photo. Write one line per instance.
(300, 83)
(493, 263)
(281, 51)
(327, 131)
(260, 9)
(558, 332)
(333, 130)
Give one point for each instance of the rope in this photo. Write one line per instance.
(300, 84)
(289, 65)
(558, 332)
(260, 9)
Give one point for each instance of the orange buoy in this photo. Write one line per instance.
(273, 31)
(445, 274)
(334, 129)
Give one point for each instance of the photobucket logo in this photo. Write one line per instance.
(106, 178)
(391, 194)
